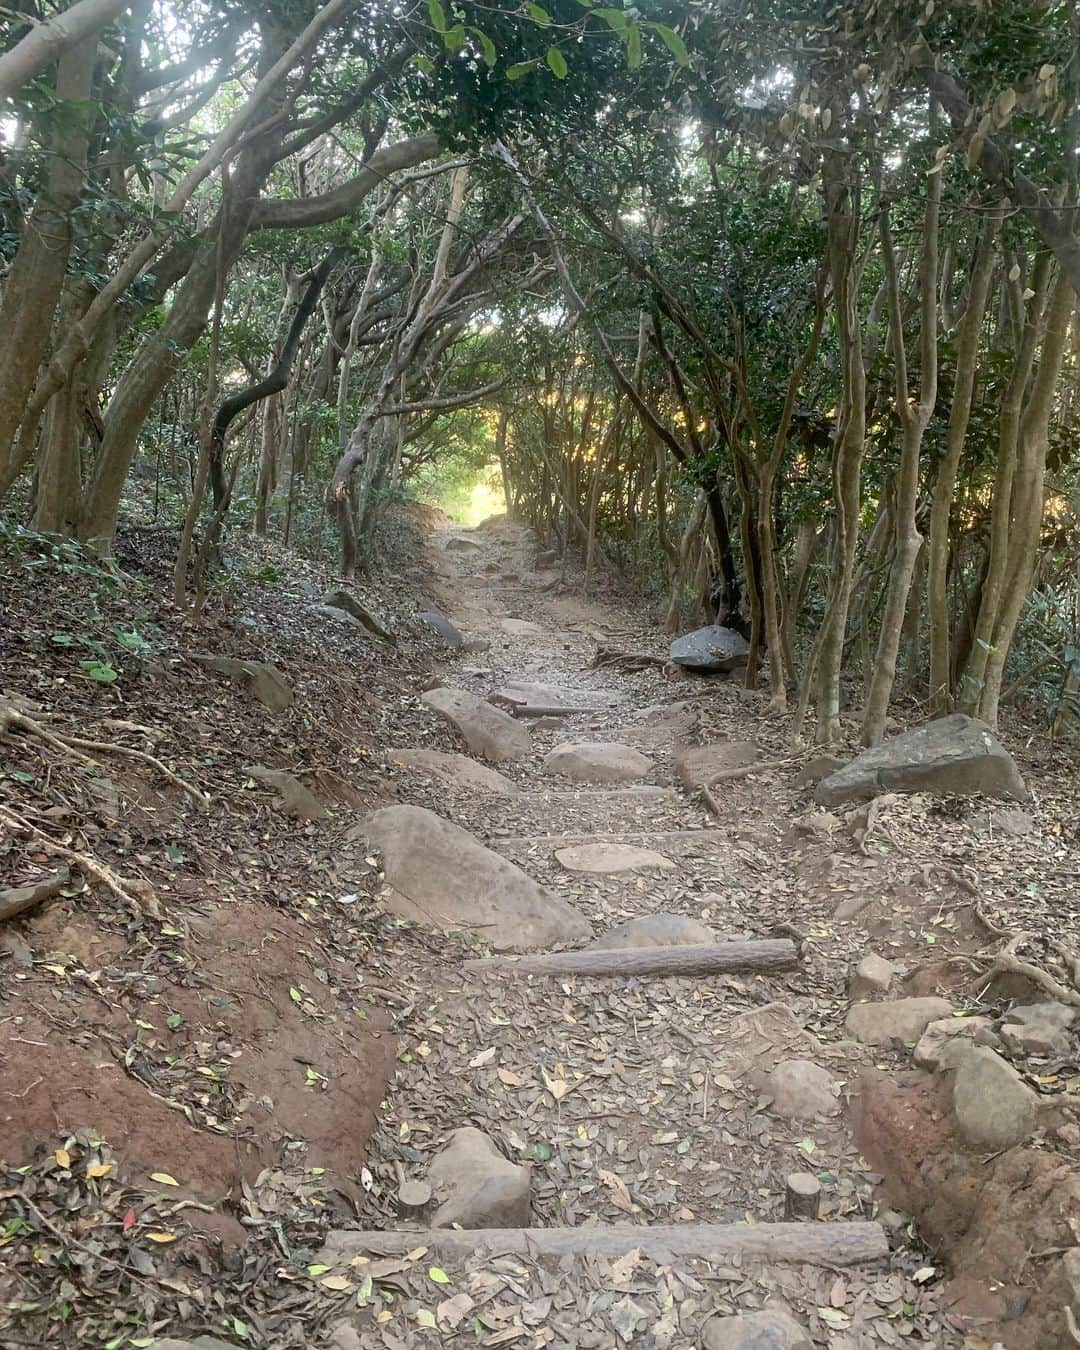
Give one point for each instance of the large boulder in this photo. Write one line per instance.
(654, 930)
(458, 770)
(954, 754)
(902, 1019)
(476, 1187)
(485, 729)
(440, 876)
(802, 1090)
(942, 1043)
(597, 762)
(711, 650)
(261, 679)
(995, 1109)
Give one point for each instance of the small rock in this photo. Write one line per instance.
(262, 680)
(873, 975)
(802, 1090)
(457, 543)
(340, 599)
(608, 859)
(710, 649)
(344, 1336)
(522, 628)
(597, 762)
(755, 1331)
(1070, 1268)
(477, 1187)
(654, 930)
(485, 729)
(902, 1019)
(20, 952)
(938, 1045)
(814, 824)
(547, 557)
(294, 798)
(994, 1108)
(458, 770)
(955, 754)
(446, 628)
(199, 1343)
(892, 1220)
(698, 765)
(1035, 1038)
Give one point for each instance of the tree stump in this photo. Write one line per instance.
(802, 1196)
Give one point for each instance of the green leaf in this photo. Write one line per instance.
(425, 1318)
(100, 671)
(175, 1020)
(672, 41)
(295, 994)
(633, 46)
(19, 775)
(317, 1270)
(521, 68)
(539, 14)
(437, 15)
(424, 63)
(438, 1276)
(614, 18)
(487, 45)
(62, 639)
(556, 63)
(454, 38)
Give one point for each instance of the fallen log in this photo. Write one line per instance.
(547, 710)
(818, 1244)
(707, 958)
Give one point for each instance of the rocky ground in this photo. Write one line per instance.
(293, 1048)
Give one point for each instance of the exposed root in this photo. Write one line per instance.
(137, 895)
(73, 747)
(745, 770)
(1006, 962)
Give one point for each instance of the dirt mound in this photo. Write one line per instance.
(1001, 1223)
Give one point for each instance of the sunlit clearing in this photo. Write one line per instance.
(483, 500)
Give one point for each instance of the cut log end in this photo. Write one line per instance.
(802, 1196)
(414, 1197)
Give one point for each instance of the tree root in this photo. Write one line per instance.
(73, 747)
(137, 895)
(745, 770)
(1006, 962)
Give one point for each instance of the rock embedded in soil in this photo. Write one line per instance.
(902, 1019)
(294, 799)
(814, 770)
(597, 762)
(710, 650)
(1035, 1038)
(261, 679)
(761, 1039)
(446, 628)
(955, 754)
(341, 599)
(528, 693)
(1043, 1014)
(486, 730)
(698, 765)
(476, 1187)
(199, 1343)
(608, 859)
(995, 1109)
(768, 1330)
(802, 1090)
(1013, 821)
(522, 628)
(654, 930)
(439, 876)
(873, 975)
(457, 770)
(940, 1042)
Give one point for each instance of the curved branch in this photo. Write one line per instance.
(45, 41)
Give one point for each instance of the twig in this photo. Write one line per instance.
(142, 901)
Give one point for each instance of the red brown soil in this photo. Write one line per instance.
(1000, 1222)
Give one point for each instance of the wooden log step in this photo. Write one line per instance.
(818, 1244)
(706, 958)
(607, 836)
(547, 710)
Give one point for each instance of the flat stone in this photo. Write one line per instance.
(522, 628)
(458, 770)
(344, 1336)
(530, 694)
(608, 858)
(873, 975)
(802, 1090)
(294, 798)
(597, 762)
(654, 930)
(766, 1330)
(446, 628)
(711, 649)
(1013, 821)
(476, 1187)
(994, 1108)
(459, 543)
(937, 1046)
(486, 730)
(699, 764)
(902, 1019)
(950, 755)
(1046, 1014)
(439, 876)
(261, 679)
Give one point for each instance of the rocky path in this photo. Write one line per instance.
(683, 1148)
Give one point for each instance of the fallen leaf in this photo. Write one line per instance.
(63, 1157)
(623, 1269)
(164, 1178)
(338, 1283)
(438, 1275)
(484, 1057)
(161, 1237)
(452, 1311)
(620, 1195)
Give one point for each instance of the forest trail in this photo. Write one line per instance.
(650, 1101)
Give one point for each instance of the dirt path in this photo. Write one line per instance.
(643, 1101)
